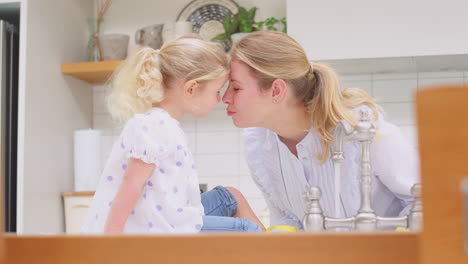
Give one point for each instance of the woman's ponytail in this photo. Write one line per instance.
(325, 106)
(330, 104)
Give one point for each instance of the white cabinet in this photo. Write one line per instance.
(336, 29)
(76, 205)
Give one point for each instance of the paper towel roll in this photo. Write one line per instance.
(87, 159)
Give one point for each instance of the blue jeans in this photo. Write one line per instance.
(220, 205)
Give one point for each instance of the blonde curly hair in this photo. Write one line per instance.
(142, 79)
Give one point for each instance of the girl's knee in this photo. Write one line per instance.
(232, 190)
(236, 193)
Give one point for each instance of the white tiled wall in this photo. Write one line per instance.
(395, 93)
(217, 143)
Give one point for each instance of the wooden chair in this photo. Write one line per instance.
(443, 139)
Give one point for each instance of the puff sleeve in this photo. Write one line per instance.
(145, 139)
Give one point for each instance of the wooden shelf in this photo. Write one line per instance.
(76, 193)
(91, 72)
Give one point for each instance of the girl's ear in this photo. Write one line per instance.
(278, 90)
(190, 88)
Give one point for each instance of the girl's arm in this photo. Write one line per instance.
(135, 177)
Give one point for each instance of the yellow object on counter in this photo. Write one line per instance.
(282, 228)
(401, 229)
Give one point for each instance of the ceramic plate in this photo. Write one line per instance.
(207, 17)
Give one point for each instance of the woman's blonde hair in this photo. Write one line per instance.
(274, 55)
(143, 78)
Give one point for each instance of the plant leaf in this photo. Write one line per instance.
(234, 25)
(252, 12)
(222, 36)
(243, 13)
(285, 23)
(227, 22)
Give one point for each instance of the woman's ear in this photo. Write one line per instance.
(278, 90)
(190, 88)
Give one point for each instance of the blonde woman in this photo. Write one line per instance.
(150, 184)
(290, 107)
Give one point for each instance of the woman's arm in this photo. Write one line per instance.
(135, 177)
(395, 162)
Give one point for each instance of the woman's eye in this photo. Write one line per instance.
(236, 89)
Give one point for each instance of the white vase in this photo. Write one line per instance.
(114, 46)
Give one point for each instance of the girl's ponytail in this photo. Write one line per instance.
(136, 85)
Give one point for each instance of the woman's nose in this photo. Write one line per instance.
(227, 96)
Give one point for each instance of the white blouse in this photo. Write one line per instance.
(170, 200)
(283, 178)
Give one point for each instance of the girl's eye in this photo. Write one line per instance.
(235, 89)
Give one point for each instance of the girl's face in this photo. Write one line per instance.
(208, 96)
(248, 105)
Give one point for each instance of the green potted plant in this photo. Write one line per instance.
(242, 22)
(273, 23)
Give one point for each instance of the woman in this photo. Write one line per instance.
(290, 108)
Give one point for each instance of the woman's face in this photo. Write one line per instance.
(247, 104)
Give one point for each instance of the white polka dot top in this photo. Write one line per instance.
(170, 200)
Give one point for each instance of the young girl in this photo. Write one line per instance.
(149, 184)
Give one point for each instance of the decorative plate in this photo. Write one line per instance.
(207, 17)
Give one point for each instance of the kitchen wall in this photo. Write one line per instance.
(395, 93)
(217, 144)
(51, 107)
(370, 29)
